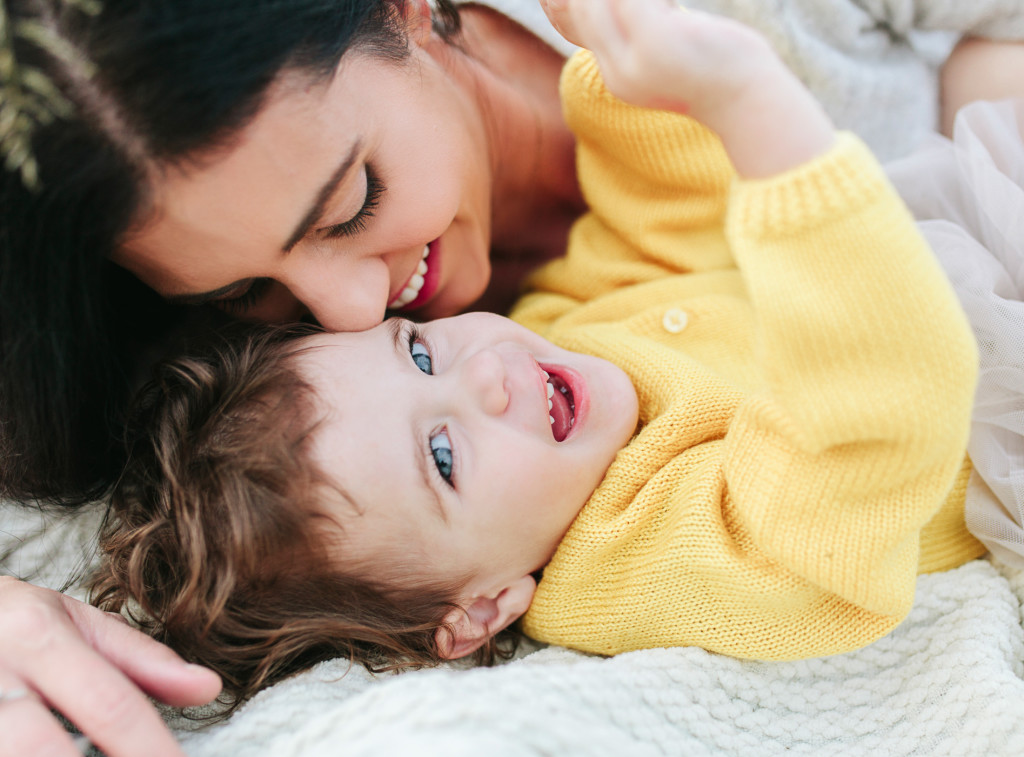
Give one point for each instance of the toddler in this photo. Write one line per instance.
(734, 416)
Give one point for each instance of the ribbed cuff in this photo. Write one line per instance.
(838, 182)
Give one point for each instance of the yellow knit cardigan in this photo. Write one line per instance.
(805, 377)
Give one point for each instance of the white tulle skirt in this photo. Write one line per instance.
(968, 195)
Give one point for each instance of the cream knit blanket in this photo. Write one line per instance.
(946, 682)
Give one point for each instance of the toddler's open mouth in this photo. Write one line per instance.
(561, 406)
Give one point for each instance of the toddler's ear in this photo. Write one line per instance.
(482, 617)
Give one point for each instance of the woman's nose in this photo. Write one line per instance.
(482, 381)
(342, 301)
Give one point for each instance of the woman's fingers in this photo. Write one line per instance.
(101, 701)
(27, 726)
(46, 648)
(152, 666)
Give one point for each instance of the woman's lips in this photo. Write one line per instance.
(422, 285)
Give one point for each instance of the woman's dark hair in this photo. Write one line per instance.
(150, 83)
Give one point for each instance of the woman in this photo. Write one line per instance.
(211, 149)
(216, 152)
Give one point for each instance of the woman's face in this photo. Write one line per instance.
(371, 191)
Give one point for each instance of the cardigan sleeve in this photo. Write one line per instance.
(656, 186)
(838, 463)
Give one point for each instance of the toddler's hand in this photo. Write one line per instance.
(655, 53)
(560, 16)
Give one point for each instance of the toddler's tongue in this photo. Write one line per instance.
(562, 413)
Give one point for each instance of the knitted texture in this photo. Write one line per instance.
(799, 428)
(947, 681)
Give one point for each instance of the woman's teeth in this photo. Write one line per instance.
(414, 285)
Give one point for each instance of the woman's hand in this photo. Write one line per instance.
(655, 53)
(92, 667)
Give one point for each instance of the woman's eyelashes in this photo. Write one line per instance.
(247, 299)
(440, 443)
(358, 222)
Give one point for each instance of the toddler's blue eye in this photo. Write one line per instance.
(441, 449)
(421, 357)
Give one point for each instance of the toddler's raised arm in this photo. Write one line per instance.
(821, 416)
(660, 55)
(646, 169)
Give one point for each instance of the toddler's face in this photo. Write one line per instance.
(441, 438)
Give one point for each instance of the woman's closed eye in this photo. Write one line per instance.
(239, 303)
(358, 222)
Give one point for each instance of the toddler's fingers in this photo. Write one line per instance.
(599, 26)
(560, 16)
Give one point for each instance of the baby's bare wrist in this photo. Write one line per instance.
(772, 125)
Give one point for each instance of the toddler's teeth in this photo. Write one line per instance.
(421, 269)
(416, 282)
(550, 404)
(551, 418)
(551, 390)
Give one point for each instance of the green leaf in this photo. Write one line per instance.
(28, 96)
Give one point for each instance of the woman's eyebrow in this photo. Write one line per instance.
(316, 210)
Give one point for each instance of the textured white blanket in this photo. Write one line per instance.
(946, 682)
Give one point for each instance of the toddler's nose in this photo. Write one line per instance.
(483, 382)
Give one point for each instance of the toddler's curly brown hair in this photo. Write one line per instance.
(215, 543)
